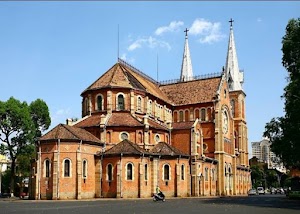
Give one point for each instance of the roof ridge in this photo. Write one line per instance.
(137, 71)
(135, 146)
(113, 72)
(67, 127)
(88, 88)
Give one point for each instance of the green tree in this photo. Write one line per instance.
(20, 125)
(256, 176)
(284, 131)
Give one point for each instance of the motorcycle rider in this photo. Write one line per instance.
(159, 192)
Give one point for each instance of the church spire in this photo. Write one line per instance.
(235, 78)
(186, 67)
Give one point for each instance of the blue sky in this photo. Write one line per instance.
(55, 50)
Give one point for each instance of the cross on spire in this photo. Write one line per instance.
(186, 30)
(231, 20)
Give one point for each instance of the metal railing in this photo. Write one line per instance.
(138, 71)
(167, 82)
(198, 77)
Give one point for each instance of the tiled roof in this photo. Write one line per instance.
(93, 120)
(121, 75)
(183, 125)
(156, 125)
(123, 119)
(192, 92)
(65, 132)
(165, 149)
(126, 147)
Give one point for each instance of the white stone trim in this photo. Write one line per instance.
(44, 174)
(126, 178)
(112, 172)
(96, 102)
(123, 132)
(63, 168)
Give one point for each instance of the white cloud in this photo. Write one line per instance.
(259, 20)
(173, 26)
(209, 32)
(124, 56)
(150, 42)
(59, 116)
(127, 59)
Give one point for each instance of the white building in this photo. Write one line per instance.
(262, 151)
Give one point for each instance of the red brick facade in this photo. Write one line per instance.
(115, 150)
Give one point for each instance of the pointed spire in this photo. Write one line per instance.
(234, 76)
(186, 67)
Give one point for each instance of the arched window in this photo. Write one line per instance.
(120, 102)
(166, 172)
(182, 172)
(209, 116)
(213, 174)
(140, 138)
(129, 172)
(186, 116)
(180, 116)
(206, 174)
(47, 168)
(232, 103)
(236, 140)
(67, 168)
(139, 104)
(197, 114)
(84, 168)
(243, 109)
(175, 118)
(203, 114)
(109, 172)
(99, 102)
(86, 105)
(157, 138)
(146, 172)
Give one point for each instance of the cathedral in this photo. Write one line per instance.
(187, 136)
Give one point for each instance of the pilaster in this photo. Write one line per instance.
(79, 173)
(109, 102)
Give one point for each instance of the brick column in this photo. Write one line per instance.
(55, 176)
(79, 173)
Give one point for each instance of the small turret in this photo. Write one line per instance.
(235, 78)
(186, 67)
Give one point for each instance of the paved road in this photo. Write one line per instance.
(264, 204)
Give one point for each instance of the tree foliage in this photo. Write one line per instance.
(284, 132)
(20, 125)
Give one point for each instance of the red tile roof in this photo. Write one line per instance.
(93, 120)
(183, 125)
(123, 119)
(165, 149)
(121, 75)
(65, 132)
(192, 92)
(126, 147)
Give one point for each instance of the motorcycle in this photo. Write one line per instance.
(159, 197)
